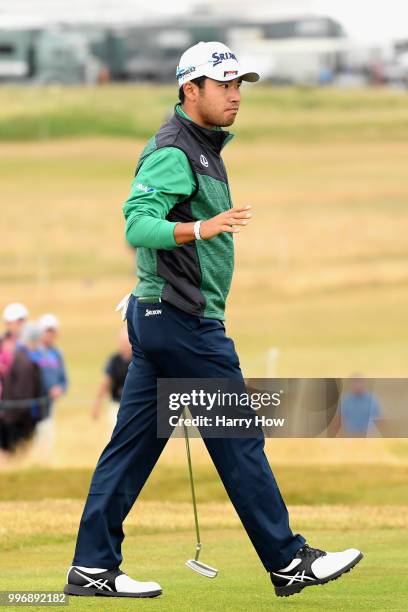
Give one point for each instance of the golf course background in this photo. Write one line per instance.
(321, 274)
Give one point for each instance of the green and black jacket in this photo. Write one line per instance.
(180, 178)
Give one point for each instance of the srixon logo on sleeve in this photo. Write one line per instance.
(221, 57)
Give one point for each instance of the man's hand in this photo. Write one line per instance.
(229, 221)
(55, 392)
(96, 412)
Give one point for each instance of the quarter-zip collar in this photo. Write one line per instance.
(216, 139)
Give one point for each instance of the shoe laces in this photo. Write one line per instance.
(308, 551)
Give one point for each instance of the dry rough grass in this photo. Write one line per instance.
(76, 448)
(61, 517)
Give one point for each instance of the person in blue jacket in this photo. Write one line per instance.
(51, 361)
(55, 381)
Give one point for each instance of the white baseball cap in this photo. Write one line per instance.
(15, 312)
(214, 60)
(48, 321)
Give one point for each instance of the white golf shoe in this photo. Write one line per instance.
(313, 566)
(91, 581)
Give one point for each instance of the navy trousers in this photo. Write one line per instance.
(174, 344)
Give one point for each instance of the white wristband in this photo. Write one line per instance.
(197, 230)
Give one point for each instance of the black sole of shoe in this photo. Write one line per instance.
(296, 588)
(73, 589)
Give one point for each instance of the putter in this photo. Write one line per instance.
(195, 564)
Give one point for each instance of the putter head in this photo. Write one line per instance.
(202, 568)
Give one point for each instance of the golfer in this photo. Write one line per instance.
(180, 217)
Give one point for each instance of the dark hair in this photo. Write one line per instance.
(198, 81)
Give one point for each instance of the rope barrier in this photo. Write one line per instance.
(23, 403)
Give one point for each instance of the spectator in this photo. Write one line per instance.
(21, 381)
(359, 412)
(30, 346)
(113, 380)
(51, 359)
(54, 377)
(359, 409)
(14, 316)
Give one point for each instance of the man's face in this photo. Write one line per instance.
(217, 102)
(15, 327)
(358, 385)
(49, 336)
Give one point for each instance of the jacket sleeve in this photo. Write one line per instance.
(62, 375)
(164, 179)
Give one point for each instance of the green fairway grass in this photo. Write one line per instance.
(38, 537)
(377, 583)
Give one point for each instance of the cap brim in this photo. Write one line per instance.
(245, 75)
(251, 77)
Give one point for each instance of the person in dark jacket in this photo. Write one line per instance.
(22, 392)
(113, 380)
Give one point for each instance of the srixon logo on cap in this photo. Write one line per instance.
(220, 57)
